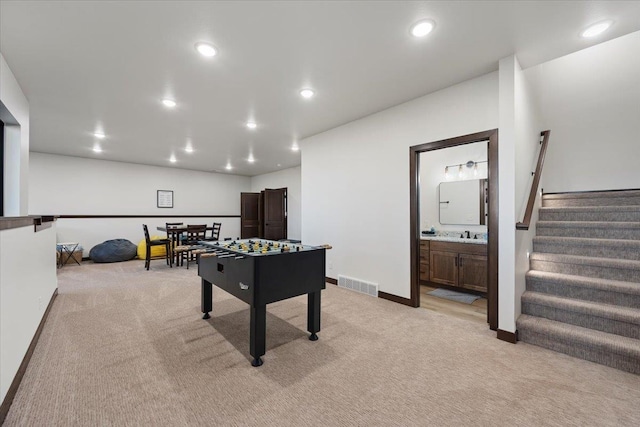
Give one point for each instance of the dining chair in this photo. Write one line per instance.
(160, 242)
(215, 232)
(174, 235)
(189, 247)
(171, 234)
(195, 233)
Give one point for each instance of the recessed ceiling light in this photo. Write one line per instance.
(169, 103)
(278, 165)
(422, 28)
(99, 135)
(228, 167)
(251, 159)
(307, 93)
(596, 29)
(173, 159)
(188, 149)
(206, 49)
(295, 147)
(97, 149)
(252, 125)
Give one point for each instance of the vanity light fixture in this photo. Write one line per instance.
(596, 29)
(470, 164)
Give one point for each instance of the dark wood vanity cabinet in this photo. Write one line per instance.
(456, 264)
(424, 260)
(472, 272)
(444, 267)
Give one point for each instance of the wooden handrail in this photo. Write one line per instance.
(524, 225)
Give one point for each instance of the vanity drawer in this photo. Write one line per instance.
(424, 259)
(424, 271)
(424, 251)
(466, 248)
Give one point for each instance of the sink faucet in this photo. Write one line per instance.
(468, 235)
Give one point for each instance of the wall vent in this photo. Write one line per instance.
(358, 285)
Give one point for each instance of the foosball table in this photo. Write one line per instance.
(260, 272)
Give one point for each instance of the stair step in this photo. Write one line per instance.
(603, 268)
(590, 229)
(629, 213)
(624, 294)
(593, 198)
(608, 318)
(603, 248)
(608, 349)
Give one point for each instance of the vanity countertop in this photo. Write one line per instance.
(453, 239)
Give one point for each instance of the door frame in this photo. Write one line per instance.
(492, 227)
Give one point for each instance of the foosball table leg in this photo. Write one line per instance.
(258, 330)
(207, 298)
(313, 314)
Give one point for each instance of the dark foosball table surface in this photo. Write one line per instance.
(260, 272)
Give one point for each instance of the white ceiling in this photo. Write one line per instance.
(87, 66)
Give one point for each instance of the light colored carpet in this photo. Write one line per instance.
(454, 295)
(124, 346)
(582, 293)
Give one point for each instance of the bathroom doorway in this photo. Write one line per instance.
(469, 261)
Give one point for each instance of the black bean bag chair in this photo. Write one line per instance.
(113, 251)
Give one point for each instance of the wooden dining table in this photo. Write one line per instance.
(175, 231)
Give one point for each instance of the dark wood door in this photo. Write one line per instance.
(443, 267)
(249, 215)
(275, 214)
(473, 272)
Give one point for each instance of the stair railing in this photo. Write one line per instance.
(544, 139)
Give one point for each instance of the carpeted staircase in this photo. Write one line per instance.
(583, 286)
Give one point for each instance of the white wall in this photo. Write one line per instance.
(16, 170)
(27, 259)
(591, 102)
(290, 178)
(527, 148)
(506, 194)
(27, 282)
(519, 146)
(432, 173)
(62, 185)
(355, 179)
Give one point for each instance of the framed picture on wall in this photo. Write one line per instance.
(165, 198)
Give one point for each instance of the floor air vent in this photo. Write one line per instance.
(358, 285)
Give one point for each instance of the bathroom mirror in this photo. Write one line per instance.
(463, 202)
